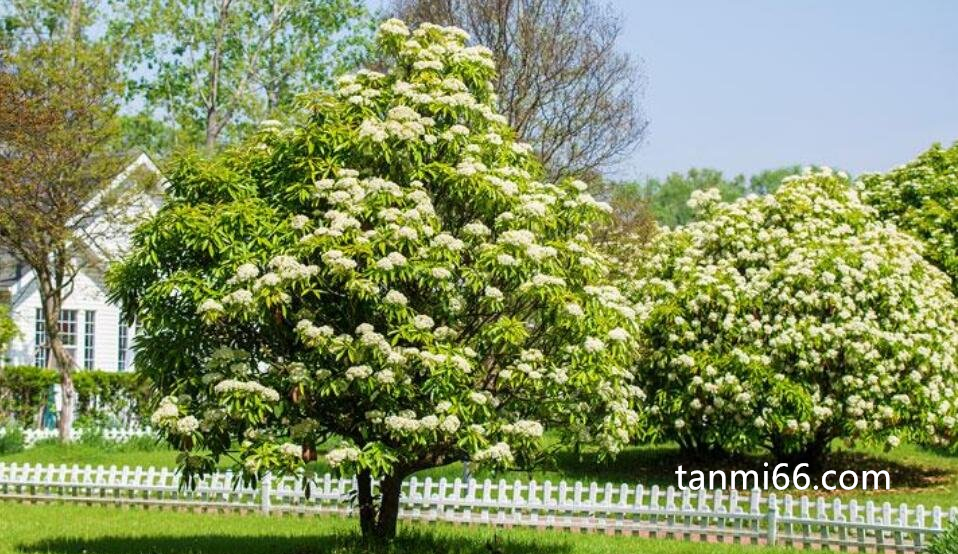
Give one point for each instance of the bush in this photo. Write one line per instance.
(105, 398)
(920, 198)
(786, 321)
(946, 543)
(12, 440)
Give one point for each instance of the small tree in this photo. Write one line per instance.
(786, 321)
(920, 198)
(58, 101)
(389, 272)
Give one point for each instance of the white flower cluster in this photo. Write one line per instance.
(524, 428)
(232, 385)
(166, 414)
(291, 450)
(338, 456)
(499, 453)
(784, 317)
(704, 198)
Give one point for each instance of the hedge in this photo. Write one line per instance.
(103, 396)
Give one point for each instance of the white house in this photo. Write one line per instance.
(90, 326)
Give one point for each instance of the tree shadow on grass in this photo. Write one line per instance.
(657, 466)
(409, 542)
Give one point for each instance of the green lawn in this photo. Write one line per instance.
(56, 529)
(917, 475)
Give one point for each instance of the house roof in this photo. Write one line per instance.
(88, 235)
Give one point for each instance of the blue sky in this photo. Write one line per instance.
(748, 85)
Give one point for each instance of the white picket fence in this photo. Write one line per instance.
(119, 434)
(717, 516)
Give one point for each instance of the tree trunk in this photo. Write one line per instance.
(367, 509)
(814, 453)
(212, 125)
(68, 393)
(390, 488)
(378, 523)
(73, 24)
(58, 358)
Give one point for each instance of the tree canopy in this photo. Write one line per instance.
(920, 197)
(788, 320)
(391, 271)
(205, 72)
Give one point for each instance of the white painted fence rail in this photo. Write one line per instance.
(591, 507)
(119, 434)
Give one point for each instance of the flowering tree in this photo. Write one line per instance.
(786, 321)
(389, 272)
(920, 197)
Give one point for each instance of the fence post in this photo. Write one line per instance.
(772, 517)
(265, 490)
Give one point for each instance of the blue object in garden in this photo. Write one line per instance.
(50, 411)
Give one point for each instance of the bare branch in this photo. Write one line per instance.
(563, 84)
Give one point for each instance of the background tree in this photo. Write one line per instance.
(920, 197)
(668, 198)
(391, 272)
(786, 321)
(58, 103)
(30, 22)
(209, 70)
(632, 224)
(563, 84)
(768, 181)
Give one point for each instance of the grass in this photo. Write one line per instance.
(917, 475)
(49, 452)
(63, 529)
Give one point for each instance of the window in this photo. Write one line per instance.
(69, 332)
(40, 341)
(89, 328)
(68, 335)
(123, 344)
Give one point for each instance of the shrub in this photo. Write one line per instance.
(105, 398)
(390, 271)
(787, 321)
(920, 198)
(945, 543)
(12, 440)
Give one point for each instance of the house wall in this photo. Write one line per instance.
(88, 294)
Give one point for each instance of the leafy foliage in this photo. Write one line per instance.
(920, 198)
(667, 197)
(945, 543)
(206, 72)
(786, 321)
(8, 328)
(391, 272)
(12, 439)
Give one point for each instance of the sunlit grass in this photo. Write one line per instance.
(63, 529)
